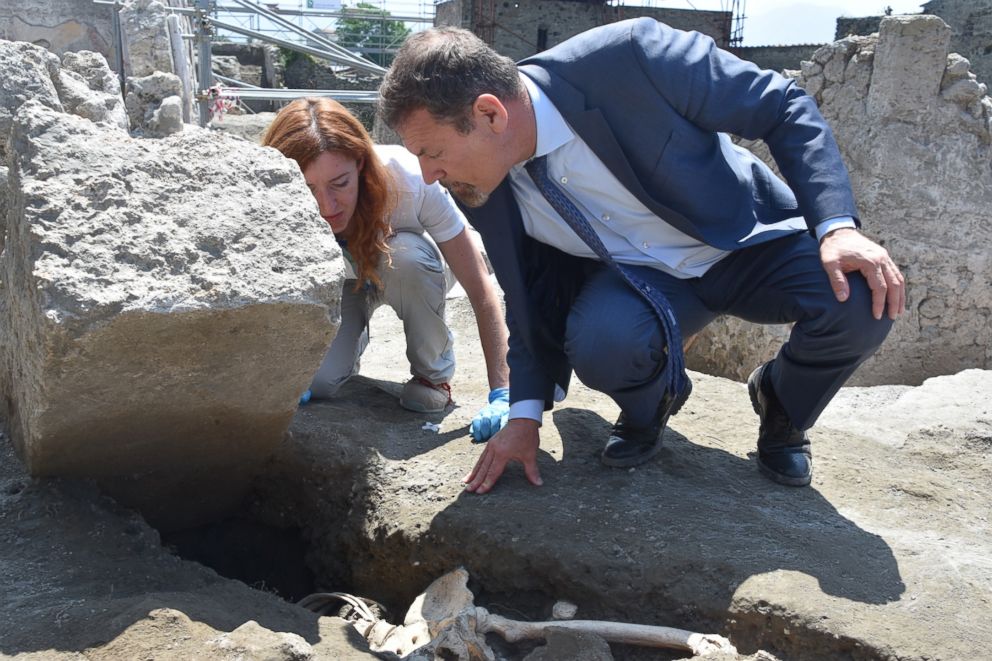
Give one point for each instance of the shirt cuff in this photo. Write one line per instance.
(532, 409)
(832, 224)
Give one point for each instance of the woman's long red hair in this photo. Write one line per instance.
(306, 128)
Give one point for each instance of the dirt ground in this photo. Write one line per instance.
(886, 556)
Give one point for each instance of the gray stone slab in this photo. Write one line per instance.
(168, 302)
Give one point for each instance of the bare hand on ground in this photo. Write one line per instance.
(518, 441)
(847, 250)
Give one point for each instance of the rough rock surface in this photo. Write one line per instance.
(3, 204)
(25, 73)
(88, 88)
(82, 84)
(914, 128)
(83, 579)
(250, 127)
(886, 556)
(146, 38)
(152, 102)
(565, 645)
(59, 25)
(168, 302)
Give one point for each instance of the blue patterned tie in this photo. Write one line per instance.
(674, 371)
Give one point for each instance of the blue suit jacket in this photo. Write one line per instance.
(655, 105)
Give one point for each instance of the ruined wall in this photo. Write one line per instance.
(777, 58)
(520, 28)
(59, 25)
(915, 130)
(73, 25)
(305, 72)
(861, 26)
(971, 31)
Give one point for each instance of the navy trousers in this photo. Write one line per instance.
(614, 343)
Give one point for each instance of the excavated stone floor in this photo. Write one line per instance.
(886, 556)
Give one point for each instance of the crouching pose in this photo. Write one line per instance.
(620, 217)
(395, 232)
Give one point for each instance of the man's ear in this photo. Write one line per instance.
(489, 111)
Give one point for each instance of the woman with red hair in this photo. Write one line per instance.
(394, 231)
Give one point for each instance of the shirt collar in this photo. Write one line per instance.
(552, 129)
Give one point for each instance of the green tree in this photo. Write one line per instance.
(367, 26)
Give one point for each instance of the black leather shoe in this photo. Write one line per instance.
(784, 453)
(629, 445)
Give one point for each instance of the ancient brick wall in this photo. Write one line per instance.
(971, 31)
(862, 26)
(778, 58)
(519, 28)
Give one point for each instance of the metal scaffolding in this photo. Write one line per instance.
(206, 24)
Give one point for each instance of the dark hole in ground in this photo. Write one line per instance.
(264, 557)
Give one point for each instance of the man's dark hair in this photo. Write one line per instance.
(444, 70)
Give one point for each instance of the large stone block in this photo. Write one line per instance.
(168, 301)
(88, 88)
(146, 38)
(146, 102)
(922, 176)
(25, 73)
(60, 26)
(909, 63)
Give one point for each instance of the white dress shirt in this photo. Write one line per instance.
(630, 231)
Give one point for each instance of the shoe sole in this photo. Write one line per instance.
(778, 478)
(637, 461)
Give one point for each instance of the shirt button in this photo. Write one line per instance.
(645, 245)
(564, 180)
(606, 217)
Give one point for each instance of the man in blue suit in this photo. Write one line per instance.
(619, 217)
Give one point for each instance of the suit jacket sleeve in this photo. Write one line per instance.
(717, 91)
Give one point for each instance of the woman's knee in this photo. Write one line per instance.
(412, 255)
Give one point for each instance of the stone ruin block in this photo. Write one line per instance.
(146, 38)
(167, 302)
(82, 85)
(154, 104)
(909, 63)
(88, 88)
(25, 73)
(915, 130)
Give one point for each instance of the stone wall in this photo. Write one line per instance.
(777, 58)
(59, 25)
(255, 64)
(523, 27)
(305, 72)
(861, 26)
(72, 25)
(915, 130)
(971, 30)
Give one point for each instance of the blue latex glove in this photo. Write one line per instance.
(492, 417)
(305, 397)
